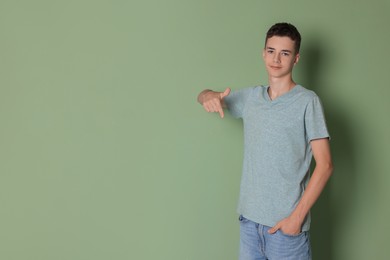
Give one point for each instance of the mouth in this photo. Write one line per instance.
(275, 67)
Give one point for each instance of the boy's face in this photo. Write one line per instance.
(279, 56)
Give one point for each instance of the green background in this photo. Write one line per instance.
(105, 154)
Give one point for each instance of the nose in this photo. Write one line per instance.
(276, 58)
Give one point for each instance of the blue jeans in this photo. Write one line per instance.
(257, 244)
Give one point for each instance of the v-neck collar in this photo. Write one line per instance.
(281, 97)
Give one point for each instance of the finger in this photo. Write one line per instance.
(225, 93)
(210, 107)
(214, 108)
(221, 114)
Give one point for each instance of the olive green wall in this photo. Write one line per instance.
(105, 154)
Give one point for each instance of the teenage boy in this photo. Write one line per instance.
(284, 127)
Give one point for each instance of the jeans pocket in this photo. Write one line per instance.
(289, 235)
(286, 246)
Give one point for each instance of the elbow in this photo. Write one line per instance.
(326, 168)
(329, 168)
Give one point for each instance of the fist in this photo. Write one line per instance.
(213, 101)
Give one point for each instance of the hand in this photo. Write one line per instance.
(213, 101)
(288, 226)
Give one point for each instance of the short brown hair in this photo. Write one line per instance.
(285, 29)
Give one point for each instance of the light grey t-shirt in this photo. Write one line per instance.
(277, 151)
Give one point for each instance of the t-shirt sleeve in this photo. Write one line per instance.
(315, 123)
(236, 100)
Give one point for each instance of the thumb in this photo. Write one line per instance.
(273, 229)
(225, 93)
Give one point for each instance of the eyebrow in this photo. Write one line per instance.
(270, 48)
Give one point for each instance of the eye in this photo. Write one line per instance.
(285, 53)
(270, 51)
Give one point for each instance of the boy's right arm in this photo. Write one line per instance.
(212, 101)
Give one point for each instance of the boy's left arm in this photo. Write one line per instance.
(322, 171)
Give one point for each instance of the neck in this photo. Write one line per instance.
(279, 86)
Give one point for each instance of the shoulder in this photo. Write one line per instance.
(245, 92)
(249, 89)
(306, 94)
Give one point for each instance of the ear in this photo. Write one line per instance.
(297, 56)
(263, 54)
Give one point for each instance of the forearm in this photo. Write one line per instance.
(316, 185)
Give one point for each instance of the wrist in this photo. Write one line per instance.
(298, 216)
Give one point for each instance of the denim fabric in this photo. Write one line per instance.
(257, 244)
